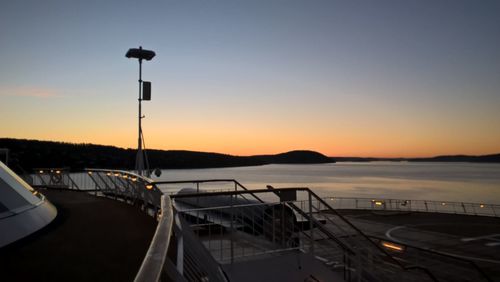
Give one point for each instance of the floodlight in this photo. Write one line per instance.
(140, 54)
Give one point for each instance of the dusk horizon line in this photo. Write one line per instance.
(263, 154)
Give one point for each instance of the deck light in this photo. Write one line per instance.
(58, 171)
(149, 186)
(393, 246)
(90, 172)
(125, 176)
(134, 179)
(481, 206)
(117, 174)
(443, 204)
(41, 171)
(378, 203)
(108, 174)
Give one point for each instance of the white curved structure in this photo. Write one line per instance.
(22, 209)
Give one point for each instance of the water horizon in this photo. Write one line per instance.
(455, 181)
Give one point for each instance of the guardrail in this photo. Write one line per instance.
(173, 248)
(369, 259)
(340, 243)
(152, 265)
(204, 185)
(380, 204)
(53, 178)
(126, 186)
(176, 254)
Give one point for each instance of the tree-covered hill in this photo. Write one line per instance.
(28, 154)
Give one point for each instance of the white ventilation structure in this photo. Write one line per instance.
(22, 209)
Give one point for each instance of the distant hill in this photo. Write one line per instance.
(494, 158)
(296, 157)
(29, 154)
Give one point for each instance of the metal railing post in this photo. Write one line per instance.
(231, 236)
(311, 222)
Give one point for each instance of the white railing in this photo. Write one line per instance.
(53, 178)
(379, 204)
(152, 265)
(191, 260)
(137, 190)
(235, 230)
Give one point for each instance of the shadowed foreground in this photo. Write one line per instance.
(91, 239)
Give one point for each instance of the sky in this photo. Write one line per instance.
(345, 78)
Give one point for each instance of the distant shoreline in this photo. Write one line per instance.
(493, 158)
(26, 155)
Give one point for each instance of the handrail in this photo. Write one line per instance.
(146, 179)
(156, 260)
(315, 222)
(383, 251)
(437, 201)
(129, 175)
(136, 189)
(397, 262)
(156, 263)
(152, 265)
(225, 193)
(409, 205)
(53, 178)
(236, 182)
(198, 181)
(132, 187)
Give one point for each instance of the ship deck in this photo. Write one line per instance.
(99, 239)
(469, 237)
(91, 239)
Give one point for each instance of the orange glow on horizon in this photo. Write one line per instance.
(352, 136)
(237, 147)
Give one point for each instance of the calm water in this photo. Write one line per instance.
(430, 181)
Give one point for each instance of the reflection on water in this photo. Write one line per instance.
(425, 181)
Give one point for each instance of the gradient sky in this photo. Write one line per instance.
(346, 78)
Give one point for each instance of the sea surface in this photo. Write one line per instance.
(461, 182)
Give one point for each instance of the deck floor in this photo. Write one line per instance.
(293, 267)
(91, 239)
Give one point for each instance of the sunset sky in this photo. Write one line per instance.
(345, 78)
